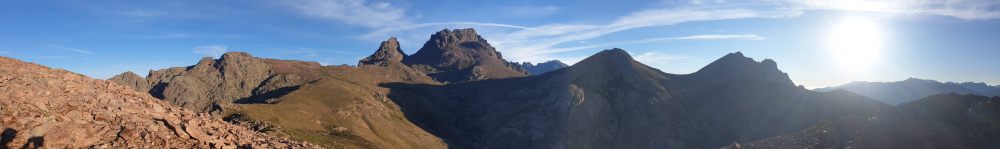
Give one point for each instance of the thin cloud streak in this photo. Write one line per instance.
(213, 51)
(81, 51)
(354, 12)
(721, 37)
(538, 43)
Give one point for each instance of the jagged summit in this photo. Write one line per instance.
(461, 55)
(455, 49)
(736, 66)
(388, 52)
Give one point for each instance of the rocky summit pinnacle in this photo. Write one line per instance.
(461, 55)
(388, 52)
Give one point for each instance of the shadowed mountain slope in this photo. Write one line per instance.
(938, 121)
(611, 101)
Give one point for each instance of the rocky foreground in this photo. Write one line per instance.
(51, 108)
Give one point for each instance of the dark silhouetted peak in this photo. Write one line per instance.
(542, 67)
(736, 66)
(461, 55)
(388, 52)
(613, 64)
(610, 56)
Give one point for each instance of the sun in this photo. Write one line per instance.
(855, 43)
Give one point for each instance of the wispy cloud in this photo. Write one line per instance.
(165, 36)
(527, 45)
(355, 12)
(141, 13)
(2, 52)
(531, 10)
(721, 37)
(962, 9)
(81, 51)
(546, 41)
(661, 39)
(657, 58)
(211, 50)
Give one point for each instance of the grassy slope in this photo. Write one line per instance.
(348, 99)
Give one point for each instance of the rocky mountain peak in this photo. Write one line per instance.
(615, 56)
(614, 64)
(461, 55)
(131, 79)
(736, 66)
(388, 52)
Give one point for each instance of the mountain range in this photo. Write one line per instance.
(912, 89)
(457, 91)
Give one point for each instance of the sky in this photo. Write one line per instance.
(818, 43)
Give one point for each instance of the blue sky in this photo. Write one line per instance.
(946, 40)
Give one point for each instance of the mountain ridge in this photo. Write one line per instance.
(911, 89)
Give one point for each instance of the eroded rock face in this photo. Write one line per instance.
(388, 53)
(461, 55)
(212, 84)
(43, 107)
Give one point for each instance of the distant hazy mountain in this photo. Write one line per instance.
(542, 67)
(912, 89)
(937, 121)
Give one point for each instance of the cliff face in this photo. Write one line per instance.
(42, 107)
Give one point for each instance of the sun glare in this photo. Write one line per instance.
(855, 43)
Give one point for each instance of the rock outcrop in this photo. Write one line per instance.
(461, 55)
(48, 108)
(133, 80)
(212, 84)
(388, 53)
